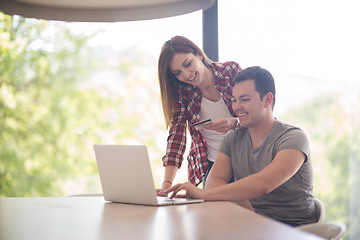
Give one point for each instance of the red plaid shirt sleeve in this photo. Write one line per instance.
(176, 141)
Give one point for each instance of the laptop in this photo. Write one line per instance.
(126, 177)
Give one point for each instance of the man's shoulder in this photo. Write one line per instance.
(289, 136)
(288, 131)
(285, 127)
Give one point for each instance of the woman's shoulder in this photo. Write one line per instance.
(226, 68)
(225, 65)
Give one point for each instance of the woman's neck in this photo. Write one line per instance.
(208, 88)
(209, 80)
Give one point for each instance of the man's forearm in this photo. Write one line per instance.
(215, 182)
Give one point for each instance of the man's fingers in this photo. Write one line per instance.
(173, 188)
(178, 189)
(181, 196)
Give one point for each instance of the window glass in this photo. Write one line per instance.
(312, 49)
(67, 86)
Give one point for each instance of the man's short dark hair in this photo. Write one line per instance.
(264, 81)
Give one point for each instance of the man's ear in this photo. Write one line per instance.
(269, 98)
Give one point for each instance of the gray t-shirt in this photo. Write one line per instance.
(292, 202)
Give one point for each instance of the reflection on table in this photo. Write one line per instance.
(94, 218)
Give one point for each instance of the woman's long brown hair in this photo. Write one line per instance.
(167, 80)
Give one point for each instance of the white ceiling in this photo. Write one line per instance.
(101, 10)
(97, 3)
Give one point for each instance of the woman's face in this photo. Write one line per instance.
(188, 68)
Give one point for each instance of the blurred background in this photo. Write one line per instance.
(65, 86)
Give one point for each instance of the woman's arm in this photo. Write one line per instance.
(169, 176)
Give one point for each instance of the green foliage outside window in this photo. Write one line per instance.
(333, 129)
(49, 118)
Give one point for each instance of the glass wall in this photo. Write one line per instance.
(67, 86)
(312, 49)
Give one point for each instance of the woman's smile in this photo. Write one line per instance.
(192, 78)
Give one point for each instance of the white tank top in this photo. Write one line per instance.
(214, 111)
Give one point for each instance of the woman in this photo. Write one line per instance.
(193, 89)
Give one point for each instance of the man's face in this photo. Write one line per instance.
(247, 104)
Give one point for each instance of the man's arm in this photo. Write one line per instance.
(285, 164)
(220, 173)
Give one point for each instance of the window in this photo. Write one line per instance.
(311, 49)
(66, 86)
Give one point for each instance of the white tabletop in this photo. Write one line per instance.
(93, 218)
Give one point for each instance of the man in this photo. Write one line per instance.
(270, 160)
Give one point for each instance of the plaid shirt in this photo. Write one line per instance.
(187, 112)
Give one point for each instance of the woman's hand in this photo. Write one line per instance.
(191, 191)
(222, 125)
(166, 185)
